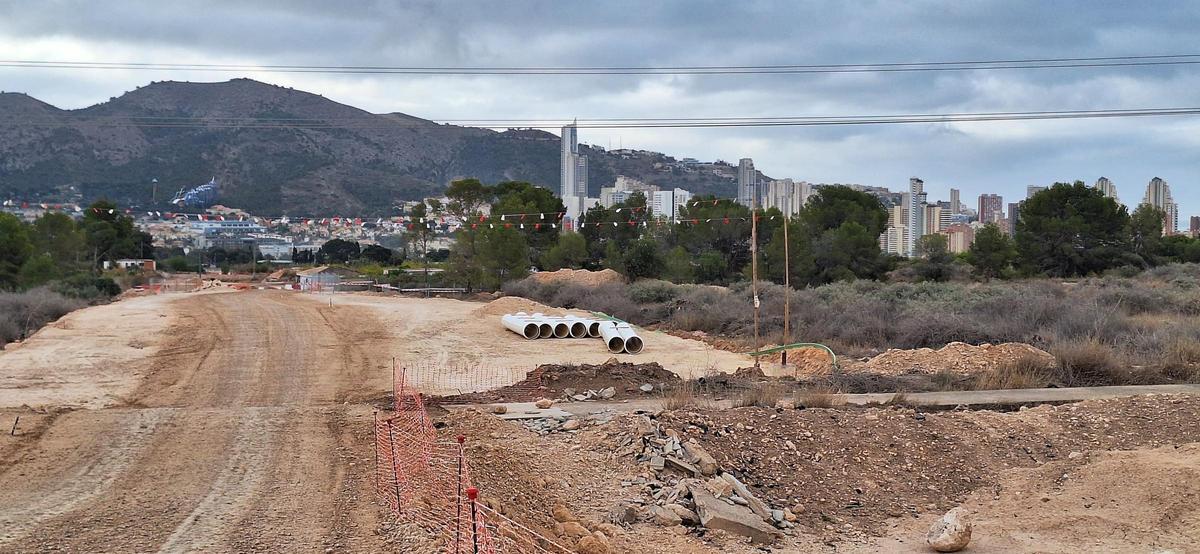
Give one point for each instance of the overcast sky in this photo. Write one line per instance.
(1002, 157)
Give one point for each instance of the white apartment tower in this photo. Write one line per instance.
(786, 195)
(1158, 194)
(747, 183)
(954, 202)
(916, 214)
(573, 178)
(1106, 187)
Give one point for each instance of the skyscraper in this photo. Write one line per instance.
(1158, 194)
(916, 214)
(991, 208)
(1194, 227)
(954, 203)
(1106, 187)
(569, 149)
(1032, 190)
(747, 183)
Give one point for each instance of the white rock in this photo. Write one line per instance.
(951, 533)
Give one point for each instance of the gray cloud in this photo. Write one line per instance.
(975, 157)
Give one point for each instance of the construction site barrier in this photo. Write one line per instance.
(426, 481)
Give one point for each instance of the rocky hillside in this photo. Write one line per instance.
(275, 149)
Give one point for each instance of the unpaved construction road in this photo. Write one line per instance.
(247, 433)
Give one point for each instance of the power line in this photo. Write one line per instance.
(894, 67)
(382, 122)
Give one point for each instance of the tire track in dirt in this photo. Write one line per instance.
(80, 480)
(257, 454)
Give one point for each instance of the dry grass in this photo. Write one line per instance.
(1087, 362)
(686, 394)
(819, 397)
(763, 395)
(1026, 372)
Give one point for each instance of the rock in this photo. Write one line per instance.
(607, 392)
(715, 514)
(657, 462)
(683, 466)
(543, 403)
(757, 506)
(499, 409)
(562, 514)
(665, 516)
(623, 514)
(574, 529)
(592, 544)
(570, 425)
(703, 460)
(788, 515)
(785, 404)
(688, 516)
(719, 487)
(777, 516)
(608, 529)
(646, 387)
(798, 509)
(1074, 455)
(951, 533)
(568, 392)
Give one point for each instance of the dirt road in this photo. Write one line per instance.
(246, 433)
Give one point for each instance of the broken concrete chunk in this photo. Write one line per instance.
(543, 403)
(703, 460)
(607, 392)
(571, 425)
(757, 506)
(715, 514)
(646, 387)
(689, 517)
(665, 516)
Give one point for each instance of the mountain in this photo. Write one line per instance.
(277, 150)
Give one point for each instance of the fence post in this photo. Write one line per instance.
(458, 495)
(472, 494)
(395, 461)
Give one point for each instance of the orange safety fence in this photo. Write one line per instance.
(427, 481)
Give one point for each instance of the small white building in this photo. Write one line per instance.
(323, 278)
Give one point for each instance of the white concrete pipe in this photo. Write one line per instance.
(545, 328)
(521, 325)
(579, 327)
(612, 337)
(633, 343)
(592, 326)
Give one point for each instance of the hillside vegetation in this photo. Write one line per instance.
(274, 149)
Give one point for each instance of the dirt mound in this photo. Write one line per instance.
(550, 381)
(956, 357)
(579, 277)
(514, 304)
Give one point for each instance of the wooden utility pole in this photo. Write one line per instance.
(787, 292)
(754, 269)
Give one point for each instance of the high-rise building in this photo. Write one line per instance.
(1106, 187)
(569, 151)
(959, 238)
(1014, 215)
(1032, 190)
(786, 195)
(916, 214)
(932, 220)
(955, 206)
(991, 208)
(623, 188)
(1158, 194)
(667, 203)
(747, 183)
(1194, 227)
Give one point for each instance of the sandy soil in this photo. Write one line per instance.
(440, 338)
(240, 422)
(242, 435)
(89, 358)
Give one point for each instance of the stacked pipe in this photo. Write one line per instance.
(619, 337)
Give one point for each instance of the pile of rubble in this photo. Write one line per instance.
(685, 486)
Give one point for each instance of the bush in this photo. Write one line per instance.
(22, 313)
(87, 287)
(653, 291)
(1026, 372)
